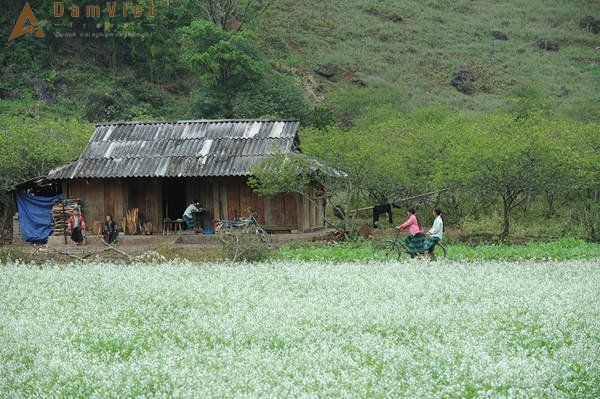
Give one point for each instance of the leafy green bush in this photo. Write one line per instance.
(30, 146)
(277, 95)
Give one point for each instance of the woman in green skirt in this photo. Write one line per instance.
(416, 239)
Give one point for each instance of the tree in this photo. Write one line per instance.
(296, 173)
(234, 15)
(223, 61)
(583, 148)
(29, 148)
(276, 95)
(358, 167)
(498, 157)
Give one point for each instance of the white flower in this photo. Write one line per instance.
(392, 330)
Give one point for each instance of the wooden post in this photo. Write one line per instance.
(64, 221)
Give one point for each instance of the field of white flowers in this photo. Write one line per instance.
(453, 330)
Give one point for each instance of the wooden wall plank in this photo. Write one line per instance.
(290, 210)
(223, 200)
(320, 211)
(91, 192)
(300, 212)
(109, 197)
(119, 200)
(306, 214)
(206, 196)
(233, 198)
(145, 194)
(216, 199)
(153, 203)
(246, 199)
(268, 218)
(258, 204)
(277, 210)
(313, 213)
(206, 192)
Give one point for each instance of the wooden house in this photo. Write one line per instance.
(161, 167)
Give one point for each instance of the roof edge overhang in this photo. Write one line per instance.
(35, 182)
(194, 121)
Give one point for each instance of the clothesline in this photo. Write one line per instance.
(401, 200)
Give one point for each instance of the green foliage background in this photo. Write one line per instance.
(390, 115)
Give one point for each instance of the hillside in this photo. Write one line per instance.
(355, 58)
(408, 52)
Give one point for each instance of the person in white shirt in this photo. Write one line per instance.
(436, 233)
(188, 215)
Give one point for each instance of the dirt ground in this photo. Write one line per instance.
(195, 247)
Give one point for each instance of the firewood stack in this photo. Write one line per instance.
(61, 211)
(131, 222)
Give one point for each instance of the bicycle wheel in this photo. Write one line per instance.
(386, 249)
(402, 250)
(262, 234)
(442, 252)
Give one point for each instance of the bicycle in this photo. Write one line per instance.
(389, 247)
(247, 225)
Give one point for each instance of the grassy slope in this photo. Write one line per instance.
(82, 73)
(418, 56)
(414, 59)
(65, 120)
(408, 63)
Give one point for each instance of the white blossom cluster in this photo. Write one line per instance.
(280, 330)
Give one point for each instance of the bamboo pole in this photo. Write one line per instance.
(402, 199)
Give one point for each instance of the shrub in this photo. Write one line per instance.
(244, 247)
(10, 254)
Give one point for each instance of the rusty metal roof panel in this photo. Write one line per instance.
(180, 148)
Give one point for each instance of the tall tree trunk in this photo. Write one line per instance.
(6, 217)
(506, 207)
(113, 56)
(347, 203)
(550, 204)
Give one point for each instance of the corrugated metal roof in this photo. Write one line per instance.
(179, 149)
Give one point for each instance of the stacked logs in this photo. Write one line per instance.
(131, 222)
(61, 211)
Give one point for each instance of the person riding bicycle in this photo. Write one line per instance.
(415, 239)
(436, 233)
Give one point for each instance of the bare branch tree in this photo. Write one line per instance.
(234, 15)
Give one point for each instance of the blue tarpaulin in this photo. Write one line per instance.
(35, 216)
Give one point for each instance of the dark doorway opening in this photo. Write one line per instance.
(174, 198)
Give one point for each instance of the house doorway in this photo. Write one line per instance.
(174, 198)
